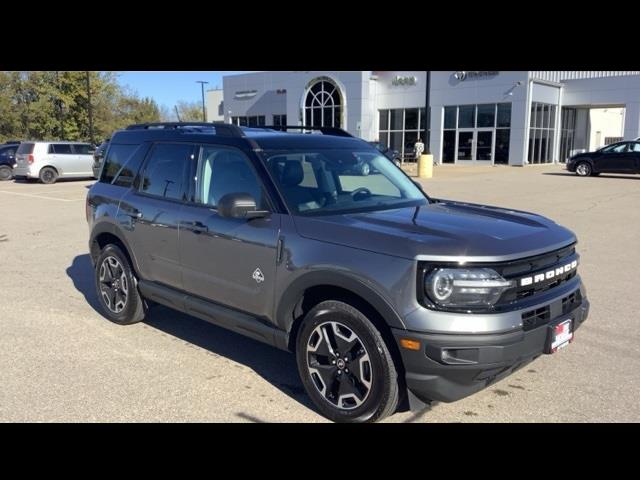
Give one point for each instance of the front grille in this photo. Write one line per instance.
(571, 302)
(532, 266)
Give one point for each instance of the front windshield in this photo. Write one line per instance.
(328, 182)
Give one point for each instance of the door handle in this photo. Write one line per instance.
(134, 214)
(196, 227)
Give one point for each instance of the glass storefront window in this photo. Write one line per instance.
(450, 117)
(396, 119)
(503, 136)
(384, 119)
(411, 119)
(504, 115)
(541, 133)
(466, 116)
(448, 146)
(486, 115)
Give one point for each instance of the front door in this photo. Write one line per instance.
(227, 260)
(475, 146)
(616, 158)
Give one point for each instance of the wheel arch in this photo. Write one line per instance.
(106, 234)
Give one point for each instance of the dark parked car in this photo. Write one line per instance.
(621, 157)
(7, 160)
(390, 153)
(98, 156)
(388, 298)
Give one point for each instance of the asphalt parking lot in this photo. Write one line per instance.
(60, 360)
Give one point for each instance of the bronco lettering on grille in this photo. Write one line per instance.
(548, 275)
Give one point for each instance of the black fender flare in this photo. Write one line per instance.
(106, 227)
(295, 290)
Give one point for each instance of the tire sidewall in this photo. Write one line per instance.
(378, 396)
(6, 168)
(128, 314)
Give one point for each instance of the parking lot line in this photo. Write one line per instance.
(41, 196)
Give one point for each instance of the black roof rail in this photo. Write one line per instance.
(222, 129)
(338, 132)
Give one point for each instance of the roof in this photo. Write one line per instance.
(267, 138)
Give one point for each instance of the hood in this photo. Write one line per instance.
(442, 229)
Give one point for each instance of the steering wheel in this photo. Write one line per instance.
(361, 190)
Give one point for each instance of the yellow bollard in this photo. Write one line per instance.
(425, 166)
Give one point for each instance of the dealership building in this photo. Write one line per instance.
(476, 117)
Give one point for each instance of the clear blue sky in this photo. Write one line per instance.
(167, 88)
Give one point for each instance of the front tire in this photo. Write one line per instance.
(345, 365)
(116, 286)
(583, 169)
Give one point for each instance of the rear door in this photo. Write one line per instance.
(83, 159)
(152, 209)
(61, 157)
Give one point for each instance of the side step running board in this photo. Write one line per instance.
(219, 315)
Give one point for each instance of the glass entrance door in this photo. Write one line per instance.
(466, 141)
(475, 146)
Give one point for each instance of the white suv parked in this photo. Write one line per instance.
(49, 161)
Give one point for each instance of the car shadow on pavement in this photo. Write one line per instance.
(275, 366)
(602, 175)
(82, 274)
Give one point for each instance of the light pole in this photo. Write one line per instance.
(204, 112)
(427, 119)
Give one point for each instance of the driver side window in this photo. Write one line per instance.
(223, 170)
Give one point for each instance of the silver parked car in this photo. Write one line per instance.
(49, 161)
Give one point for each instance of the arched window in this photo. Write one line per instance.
(323, 105)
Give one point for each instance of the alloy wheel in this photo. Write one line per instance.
(339, 365)
(583, 170)
(114, 287)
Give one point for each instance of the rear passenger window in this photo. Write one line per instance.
(164, 172)
(60, 148)
(117, 157)
(83, 149)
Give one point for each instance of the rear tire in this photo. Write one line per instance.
(48, 175)
(6, 173)
(345, 365)
(117, 287)
(583, 169)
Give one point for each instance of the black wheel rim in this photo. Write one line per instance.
(339, 365)
(114, 288)
(47, 175)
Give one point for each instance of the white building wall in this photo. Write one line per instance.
(214, 105)
(560, 75)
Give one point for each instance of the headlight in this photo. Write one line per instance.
(457, 287)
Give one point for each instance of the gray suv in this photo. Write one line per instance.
(388, 298)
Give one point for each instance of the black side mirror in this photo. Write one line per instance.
(240, 205)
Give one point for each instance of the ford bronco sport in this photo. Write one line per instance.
(388, 298)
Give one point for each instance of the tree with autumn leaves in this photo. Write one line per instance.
(55, 106)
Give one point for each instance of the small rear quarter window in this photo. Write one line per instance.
(117, 156)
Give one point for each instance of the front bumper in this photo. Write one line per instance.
(449, 367)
